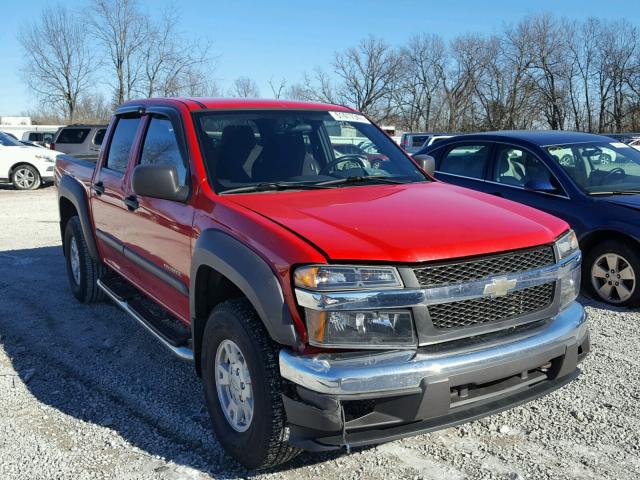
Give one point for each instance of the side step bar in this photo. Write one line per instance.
(182, 352)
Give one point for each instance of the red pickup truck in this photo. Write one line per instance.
(327, 299)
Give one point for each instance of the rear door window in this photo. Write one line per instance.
(73, 135)
(161, 148)
(121, 143)
(465, 161)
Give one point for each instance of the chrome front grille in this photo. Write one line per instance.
(467, 313)
(479, 268)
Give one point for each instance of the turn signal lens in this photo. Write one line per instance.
(344, 277)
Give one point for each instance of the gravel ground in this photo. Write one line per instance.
(86, 393)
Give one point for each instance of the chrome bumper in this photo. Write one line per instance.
(396, 372)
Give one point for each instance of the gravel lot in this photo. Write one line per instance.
(86, 393)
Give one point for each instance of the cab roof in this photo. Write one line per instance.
(205, 103)
(542, 138)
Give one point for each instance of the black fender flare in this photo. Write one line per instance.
(251, 275)
(72, 190)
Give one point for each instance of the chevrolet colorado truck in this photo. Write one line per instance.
(328, 300)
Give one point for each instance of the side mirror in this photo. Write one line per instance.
(540, 186)
(158, 181)
(426, 162)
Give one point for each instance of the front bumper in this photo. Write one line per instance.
(363, 398)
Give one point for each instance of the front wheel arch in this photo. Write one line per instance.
(222, 268)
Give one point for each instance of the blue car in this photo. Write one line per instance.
(591, 181)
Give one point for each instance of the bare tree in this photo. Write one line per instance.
(244, 87)
(367, 75)
(418, 94)
(121, 30)
(549, 67)
(59, 65)
(172, 63)
(278, 88)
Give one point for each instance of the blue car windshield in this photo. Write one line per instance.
(599, 168)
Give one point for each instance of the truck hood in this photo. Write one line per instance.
(405, 223)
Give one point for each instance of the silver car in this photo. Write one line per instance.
(81, 141)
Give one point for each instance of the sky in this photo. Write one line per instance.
(265, 39)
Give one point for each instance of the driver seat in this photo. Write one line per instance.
(284, 157)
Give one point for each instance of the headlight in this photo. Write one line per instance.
(46, 158)
(344, 277)
(567, 244)
(366, 329)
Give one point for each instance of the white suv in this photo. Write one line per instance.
(26, 167)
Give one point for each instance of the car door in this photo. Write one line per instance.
(108, 200)
(157, 233)
(464, 164)
(512, 170)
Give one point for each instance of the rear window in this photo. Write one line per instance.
(73, 135)
(35, 137)
(418, 140)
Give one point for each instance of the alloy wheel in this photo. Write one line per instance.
(24, 178)
(74, 258)
(613, 277)
(233, 384)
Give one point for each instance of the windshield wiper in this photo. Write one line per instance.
(622, 192)
(360, 179)
(271, 186)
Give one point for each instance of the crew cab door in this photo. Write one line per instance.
(464, 164)
(157, 233)
(109, 210)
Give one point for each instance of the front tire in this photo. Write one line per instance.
(242, 386)
(611, 272)
(83, 271)
(25, 177)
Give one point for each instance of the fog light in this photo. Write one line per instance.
(366, 329)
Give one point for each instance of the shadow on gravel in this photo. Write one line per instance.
(95, 364)
(9, 186)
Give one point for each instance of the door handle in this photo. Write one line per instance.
(131, 202)
(98, 187)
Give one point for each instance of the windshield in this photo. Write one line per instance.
(9, 141)
(600, 167)
(286, 148)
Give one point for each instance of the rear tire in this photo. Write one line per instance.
(611, 271)
(83, 271)
(25, 177)
(262, 441)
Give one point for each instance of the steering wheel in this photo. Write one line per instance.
(362, 162)
(615, 171)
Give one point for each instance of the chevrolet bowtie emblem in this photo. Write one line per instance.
(499, 287)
